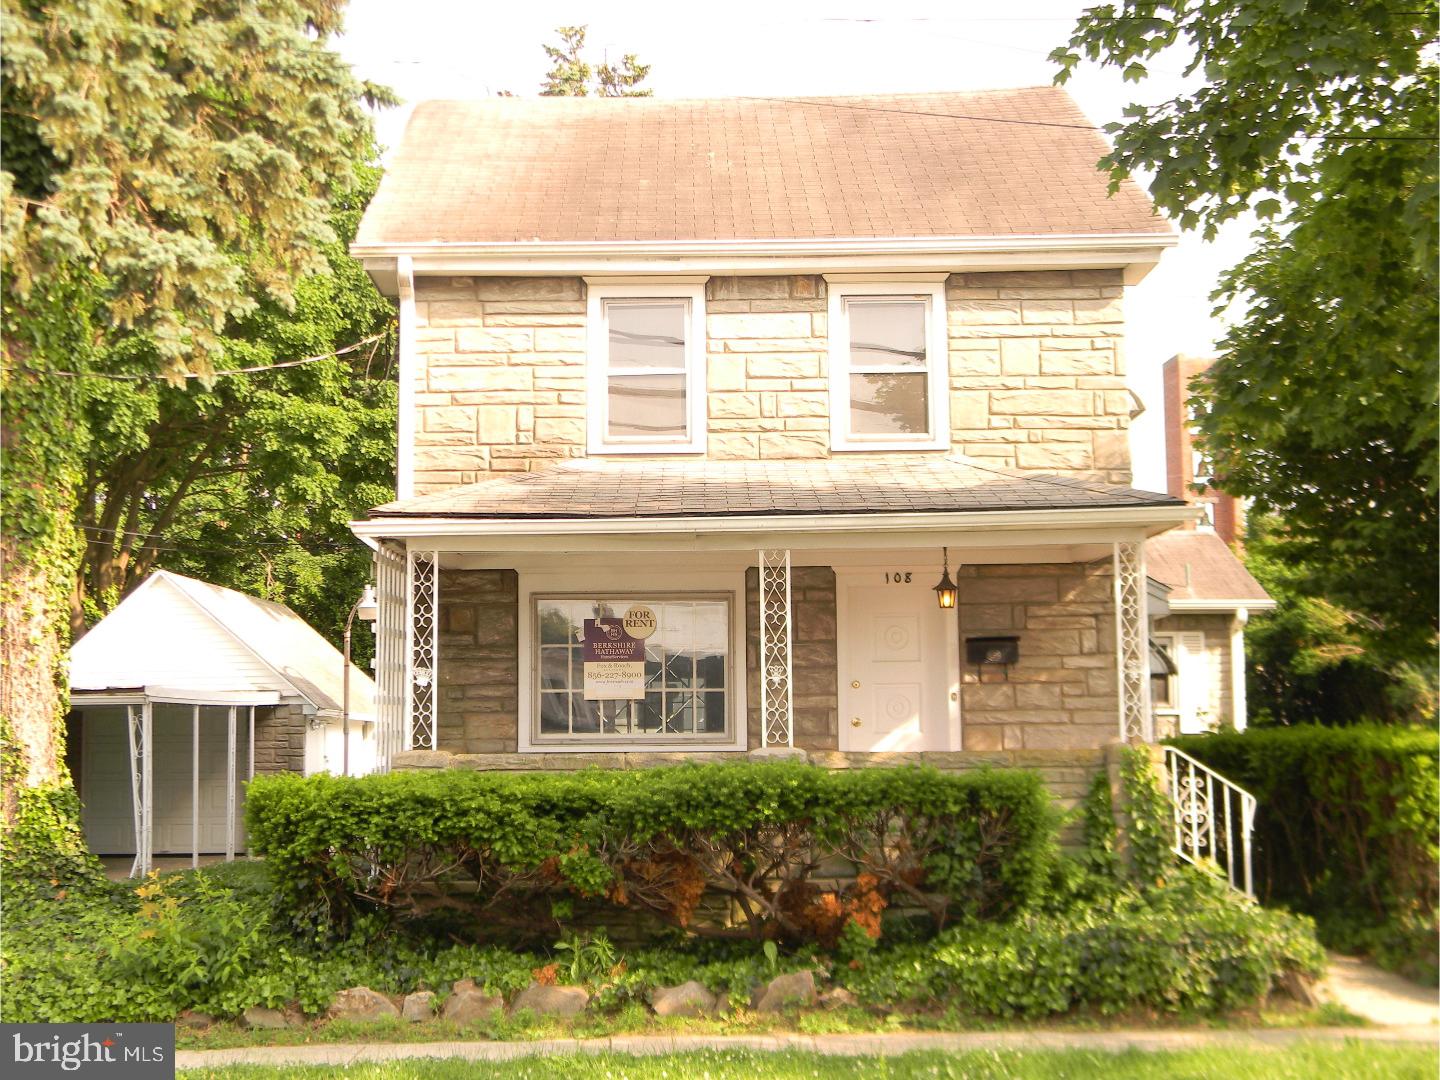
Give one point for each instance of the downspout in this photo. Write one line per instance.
(1238, 704)
(405, 458)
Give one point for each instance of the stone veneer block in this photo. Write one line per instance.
(1035, 372)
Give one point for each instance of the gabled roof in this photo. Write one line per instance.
(182, 633)
(606, 488)
(1202, 572)
(1001, 163)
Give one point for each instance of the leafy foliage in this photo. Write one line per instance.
(249, 482)
(1187, 947)
(185, 174)
(957, 845)
(1346, 829)
(1314, 661)
(1322, 119)
(572, 76)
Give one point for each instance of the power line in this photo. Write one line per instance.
(125, 377)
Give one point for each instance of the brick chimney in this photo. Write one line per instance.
(1183, 464)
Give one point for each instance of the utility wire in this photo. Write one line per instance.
(124, 377)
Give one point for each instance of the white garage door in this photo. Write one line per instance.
(105, 779)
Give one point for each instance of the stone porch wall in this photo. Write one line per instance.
(813, 657)
(279, 739)
(1036, 372)
(1062, 694)
(479, 662)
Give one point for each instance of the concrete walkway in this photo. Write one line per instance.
(829, 1045)
(1379, 996)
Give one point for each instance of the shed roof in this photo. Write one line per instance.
(606, 488)
(998, 163)
(187, 634)
(1201, 569)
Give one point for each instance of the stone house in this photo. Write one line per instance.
(702, 402)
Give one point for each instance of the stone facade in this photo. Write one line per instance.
(1061, 694)
(279, 739)
(479, 662)
(813, 657)
(1035, 371)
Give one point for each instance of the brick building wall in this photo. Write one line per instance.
(1036, 372)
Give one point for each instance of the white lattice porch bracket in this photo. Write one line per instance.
(1132, 646)
(777, 709)
(390, 651)
(422, 648)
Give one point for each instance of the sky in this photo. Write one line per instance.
(472, 48)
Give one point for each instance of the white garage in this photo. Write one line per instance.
(185, 692)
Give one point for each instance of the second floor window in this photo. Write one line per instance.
(888, 367)
(646, 382)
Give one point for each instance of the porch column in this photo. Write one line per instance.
(194, 786)
(777, 711)
(390, 645)
(137, 726)
(422, 648)
(1132, 668)
(230, 784)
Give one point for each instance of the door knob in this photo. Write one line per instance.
(855, 721)
(855, 684)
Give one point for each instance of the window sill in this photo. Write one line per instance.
(655, 449)
(859, 448)
(720, 744)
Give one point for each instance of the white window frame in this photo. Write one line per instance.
(597, 338)
(937, 365)
(537, 585)
(1170, 641)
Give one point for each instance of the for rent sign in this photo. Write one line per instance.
(614, 662)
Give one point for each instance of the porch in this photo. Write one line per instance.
(788, 614)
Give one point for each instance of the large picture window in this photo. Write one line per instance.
(888, 367)
(646, 380)
(684, 694)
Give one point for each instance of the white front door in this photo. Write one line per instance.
(895, 668)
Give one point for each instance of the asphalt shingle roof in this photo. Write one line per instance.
(1198, 565)
(602, 488)
(517, 170)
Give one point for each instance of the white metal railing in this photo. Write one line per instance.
(1206, 807)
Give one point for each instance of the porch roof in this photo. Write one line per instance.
(598, 488)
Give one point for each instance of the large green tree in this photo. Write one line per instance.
(1320, 117)
(167, 166)
(249, 482)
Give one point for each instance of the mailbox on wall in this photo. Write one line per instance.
(989, 651)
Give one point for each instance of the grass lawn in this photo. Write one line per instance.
(1300, 1062)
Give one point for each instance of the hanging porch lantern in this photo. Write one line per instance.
(946, 592)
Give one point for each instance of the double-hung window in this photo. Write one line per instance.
(888, 367)
(646, 381)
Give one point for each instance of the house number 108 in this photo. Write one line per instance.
(897, 577)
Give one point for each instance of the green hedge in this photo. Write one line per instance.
(1346, 828)
(1188, 946)
(765, 836)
